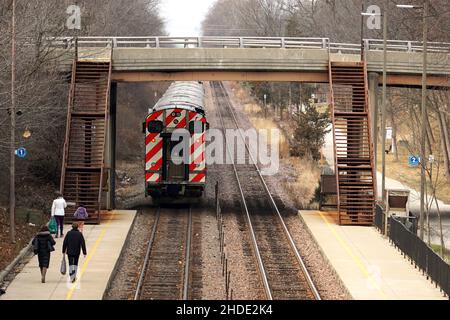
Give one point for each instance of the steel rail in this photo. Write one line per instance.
(262, 271)
(187, 265)
(275, 207)
(147, 256)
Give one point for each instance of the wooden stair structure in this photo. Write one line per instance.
(353, 150)
(83, 167)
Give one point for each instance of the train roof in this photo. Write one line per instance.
(188, 94)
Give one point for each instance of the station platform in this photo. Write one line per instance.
(104, 243)
(368, 265)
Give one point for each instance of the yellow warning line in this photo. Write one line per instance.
(89, 257)
(360, 264)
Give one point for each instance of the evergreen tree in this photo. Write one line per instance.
(310, 131)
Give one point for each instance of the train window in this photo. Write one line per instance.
(155, 126)
(196, 127)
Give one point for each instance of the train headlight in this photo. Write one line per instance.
(175, 121)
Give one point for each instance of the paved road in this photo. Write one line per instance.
(414, 200)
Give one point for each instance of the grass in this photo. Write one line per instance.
(303, 188)
(409, 176)
(437, 248)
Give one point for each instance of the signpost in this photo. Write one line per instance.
(389, 133)
(21, 152)
(413, 161)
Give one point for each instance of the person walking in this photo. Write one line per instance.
(43, 245)
(80, 215)
(58, 206)
(72, 246)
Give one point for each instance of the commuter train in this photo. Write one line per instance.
(172, 173)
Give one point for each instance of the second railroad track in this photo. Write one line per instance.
(282, 270)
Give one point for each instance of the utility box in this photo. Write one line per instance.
(397, 202)
(328, 191)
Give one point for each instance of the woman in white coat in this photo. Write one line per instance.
(59, 204)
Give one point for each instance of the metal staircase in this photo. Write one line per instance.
(83, 167)
(353, 153)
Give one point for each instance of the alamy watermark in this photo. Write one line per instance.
(374, 18)
(231, 146)
(73, 22)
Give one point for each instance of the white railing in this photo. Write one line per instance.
(245, 42)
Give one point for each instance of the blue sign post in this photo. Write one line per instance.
(21, 152)
(413, 161)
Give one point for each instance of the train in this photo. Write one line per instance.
(167, 176)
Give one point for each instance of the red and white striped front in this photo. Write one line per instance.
(171, 119)
(153, 150)
(197, 165)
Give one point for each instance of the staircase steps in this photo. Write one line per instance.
(352, 139)
(84, 149)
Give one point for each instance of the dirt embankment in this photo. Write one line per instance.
(27, 223)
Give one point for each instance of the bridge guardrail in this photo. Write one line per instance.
(247, 42)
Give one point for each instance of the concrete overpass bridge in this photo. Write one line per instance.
(254, 59)
(98, 63)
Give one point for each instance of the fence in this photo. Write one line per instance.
(419, 253)
(223, 256)
(245, 42)
(379, 218)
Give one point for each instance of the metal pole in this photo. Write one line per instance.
(12, 167)
(383, 115)
(113, 129)
(362, 31)
(424, 120)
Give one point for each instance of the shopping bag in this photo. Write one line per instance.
(52, 226)
(63, 265)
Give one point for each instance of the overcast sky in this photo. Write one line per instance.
(184, 17)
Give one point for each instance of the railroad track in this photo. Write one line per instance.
(165, 274)
(281, 268)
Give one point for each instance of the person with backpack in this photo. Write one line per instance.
(80, 215)
(58, 206)
(43, 245)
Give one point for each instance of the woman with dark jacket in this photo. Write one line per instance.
(42, 246)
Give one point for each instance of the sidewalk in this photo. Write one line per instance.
(104, 243)
(414, 202)
(368, 265)
(414, 196)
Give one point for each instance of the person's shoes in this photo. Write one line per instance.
(74, 279)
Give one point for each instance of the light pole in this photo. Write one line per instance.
(12, 171)
(362, 30)
(383, 117)
(424, 112)
(383, 110)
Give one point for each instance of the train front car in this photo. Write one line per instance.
(169, 174)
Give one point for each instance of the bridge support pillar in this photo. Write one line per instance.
(374, 110)
(111, 149)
